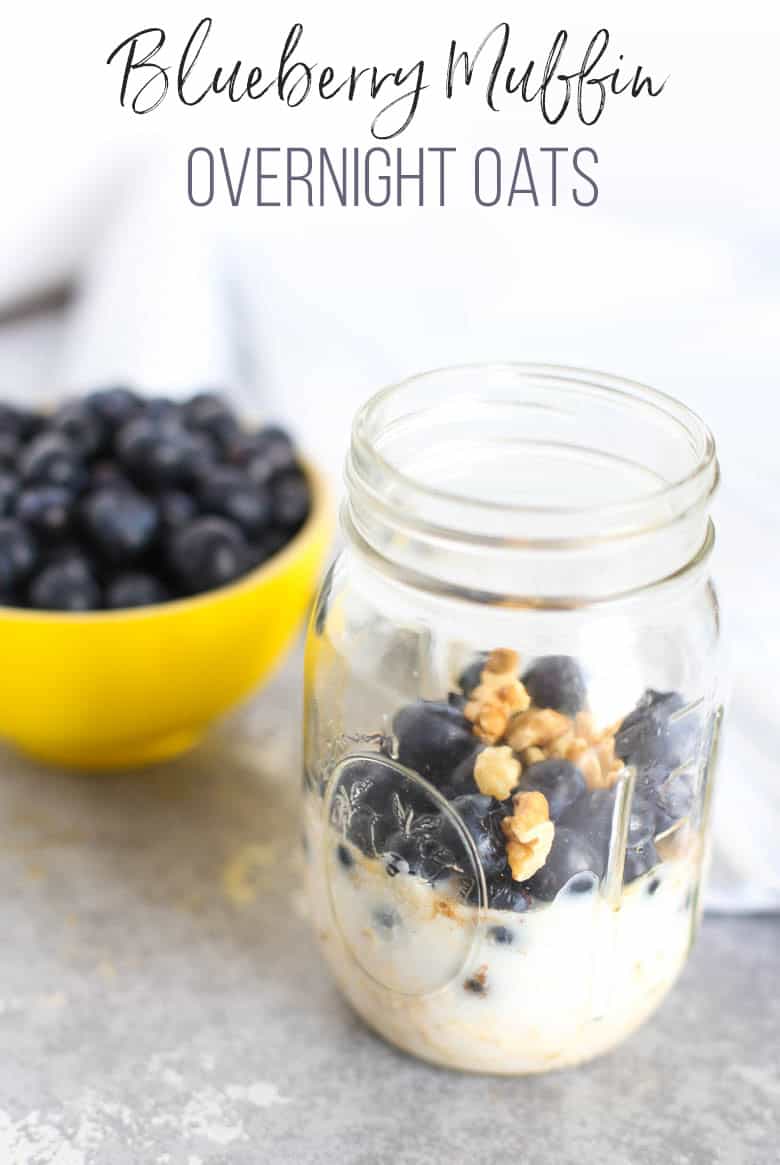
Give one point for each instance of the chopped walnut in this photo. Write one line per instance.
(497, 697)
(535, 726)
(489, 719)
(502, 661)
(529, 834)
(599, 764)
(496, 772)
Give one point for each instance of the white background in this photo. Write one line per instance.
(672, 278)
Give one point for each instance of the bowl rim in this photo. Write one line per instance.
(315, 522)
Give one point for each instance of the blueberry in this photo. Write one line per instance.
(107, 472)
(8, 419)
(135, 589)
(639, 860)
(269, 543)
(469, 678)
(417, 852)
(556, 681)
(19, 422)
(501, 935)
(162, 408)
(649, 736)
(571, 855)
(482, 821)
(229, 492)
(9, 449)
(81, 425)
(52, 459)
(18, 553)
(161, 453)
(560, 781)
(176, 508)
(120, 522)
(506, 894)
(373, 803)
(433, 739)
(641, 827)
(344, 855)
(461, 779)
(386, 919)
(114, 406)
(210, 412)
(267, 453)
(65, 586)
(8, 490)
(207, 553)
(290, 500)
(590, 816)
(46, 509)
(674, 800)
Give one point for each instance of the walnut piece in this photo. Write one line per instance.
(498, 696)
(502, 661)
(529, 834)
(536, 727)
(496, 772)
(599, 764)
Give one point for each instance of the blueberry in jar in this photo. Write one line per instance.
(481, 820)
(433, 739)
(46, 509)
(571, 854)
(674, 801)
(506, 894)
(471, 675)
(560, 781)
(121, 523)
(135, 589)
(18, 554)
(69, 585)
(557, 682)
(208, 553)
(461, 780)
(655, 734)
(639, 859)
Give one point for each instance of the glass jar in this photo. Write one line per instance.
(512, 713)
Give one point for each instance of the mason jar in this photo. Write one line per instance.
(512, 713)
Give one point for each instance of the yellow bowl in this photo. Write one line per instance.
(116, 689)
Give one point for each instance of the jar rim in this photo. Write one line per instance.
(678, 495)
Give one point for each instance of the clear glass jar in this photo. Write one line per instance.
(505, 855)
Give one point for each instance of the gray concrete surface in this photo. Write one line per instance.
(161, 1001)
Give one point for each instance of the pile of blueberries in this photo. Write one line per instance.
(391, 817)
(115, 500)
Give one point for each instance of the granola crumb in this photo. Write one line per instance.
(497, 772)
(477, 984)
